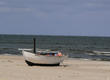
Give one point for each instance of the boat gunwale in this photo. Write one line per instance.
(43, 55)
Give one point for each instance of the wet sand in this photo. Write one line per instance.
(15, 68)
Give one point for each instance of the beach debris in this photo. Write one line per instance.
(10, 61)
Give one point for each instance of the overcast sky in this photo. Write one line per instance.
(55, 17)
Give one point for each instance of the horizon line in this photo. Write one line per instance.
(54, 35)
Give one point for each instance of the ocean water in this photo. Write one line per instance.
(73, 46)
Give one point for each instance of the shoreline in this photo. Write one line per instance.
(15, 68)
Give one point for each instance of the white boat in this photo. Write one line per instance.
(44, 58)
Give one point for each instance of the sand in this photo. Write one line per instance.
(14, 68)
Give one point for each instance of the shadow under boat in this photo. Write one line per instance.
(36, 64)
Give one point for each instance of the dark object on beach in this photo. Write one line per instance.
(34, 64)
(34, 50)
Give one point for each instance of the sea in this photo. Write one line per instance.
(80, 47)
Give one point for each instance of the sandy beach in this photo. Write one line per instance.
(15, 68)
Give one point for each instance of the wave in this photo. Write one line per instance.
(76, 53)
(103, 52)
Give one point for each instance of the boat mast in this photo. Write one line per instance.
(34, 42)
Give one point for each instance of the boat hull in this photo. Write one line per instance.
(42, 59)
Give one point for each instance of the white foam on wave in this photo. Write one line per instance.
(24, 49)
(105, 52)
(6, 54)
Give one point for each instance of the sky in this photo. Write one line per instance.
(55, 17)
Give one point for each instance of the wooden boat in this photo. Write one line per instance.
(43, 57)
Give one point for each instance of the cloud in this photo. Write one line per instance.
(54, 7)
(98, 4)
(2, 3)
(12, 9)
